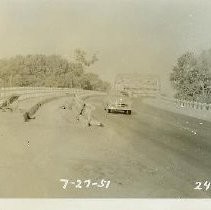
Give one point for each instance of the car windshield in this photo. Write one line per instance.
(118, 100)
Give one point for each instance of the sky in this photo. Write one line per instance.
(128, 36)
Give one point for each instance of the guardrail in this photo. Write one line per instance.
(28, 92)
(84, 110)
(187, 104)
(31, 92)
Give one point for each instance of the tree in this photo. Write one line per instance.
(50, 71)
(81, 58)
(190, 77)
(90, 81)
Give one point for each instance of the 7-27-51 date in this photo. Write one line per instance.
(88, 183)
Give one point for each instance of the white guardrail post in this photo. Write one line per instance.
(187, 104)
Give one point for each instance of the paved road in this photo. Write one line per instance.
(169, 152)
(150, 154)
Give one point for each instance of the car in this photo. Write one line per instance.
(118, 104)
(124, 93)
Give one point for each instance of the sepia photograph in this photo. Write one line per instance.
(105, 99)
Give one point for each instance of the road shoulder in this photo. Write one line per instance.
(168, 106)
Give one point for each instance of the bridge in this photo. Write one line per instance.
(138, 84)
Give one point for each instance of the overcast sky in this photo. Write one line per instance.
(143, 36)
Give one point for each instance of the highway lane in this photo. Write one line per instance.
(172, 151)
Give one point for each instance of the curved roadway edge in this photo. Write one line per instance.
(29, 114)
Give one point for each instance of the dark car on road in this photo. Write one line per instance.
(118, 104)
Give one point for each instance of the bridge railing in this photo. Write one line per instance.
(32, 92)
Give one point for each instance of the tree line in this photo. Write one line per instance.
(191, 77)
(51, 71)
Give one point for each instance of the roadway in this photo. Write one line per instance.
(149, 154)
(167, 152)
